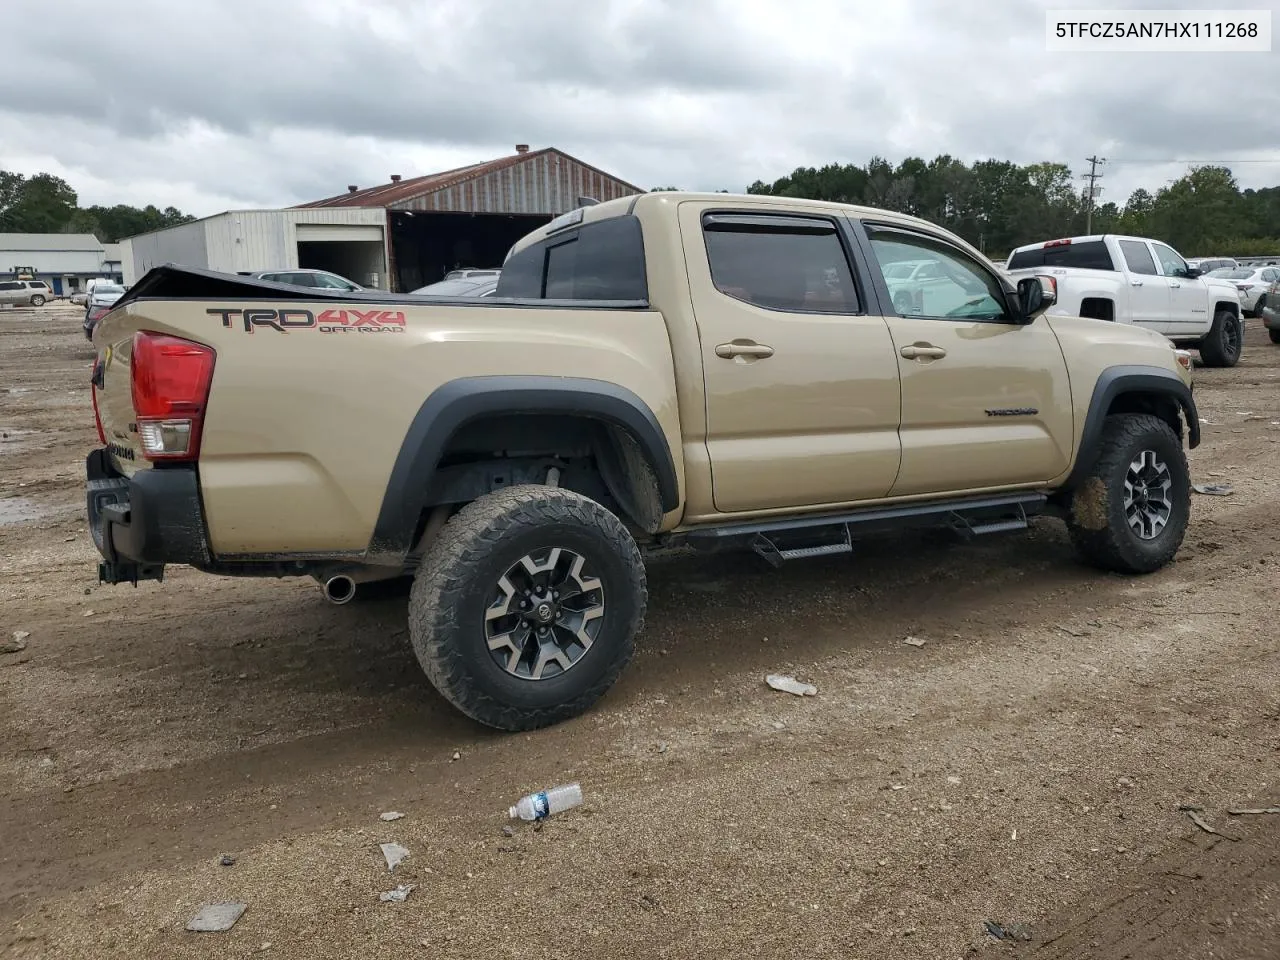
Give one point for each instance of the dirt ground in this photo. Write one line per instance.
(1026, 766)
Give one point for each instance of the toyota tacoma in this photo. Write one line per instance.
(668, 370)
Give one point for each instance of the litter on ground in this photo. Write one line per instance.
(216, 917)
(790, 685)
(394, 854)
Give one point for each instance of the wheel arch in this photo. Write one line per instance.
(635, 440)
(1134, 389)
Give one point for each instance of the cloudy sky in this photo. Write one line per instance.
(212, 104)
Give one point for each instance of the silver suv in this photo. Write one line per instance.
(33, 292)
(306, 277)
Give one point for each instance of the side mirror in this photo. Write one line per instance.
(1192, 272)
(1036, 295)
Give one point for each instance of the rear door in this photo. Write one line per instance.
(802, 395)
(10, 291)
(986, 401)
(1148, 290)
(1188, 298)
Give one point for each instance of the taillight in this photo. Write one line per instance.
(97, 313)
(170, 384)
(1058, 243)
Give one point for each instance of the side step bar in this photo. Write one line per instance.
(799, 537)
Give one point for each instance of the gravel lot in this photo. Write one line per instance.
(1024, 766)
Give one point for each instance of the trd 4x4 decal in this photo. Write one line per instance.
(329, 321)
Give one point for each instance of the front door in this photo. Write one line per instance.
(986, 402)
(802, 397)
(1188, 298)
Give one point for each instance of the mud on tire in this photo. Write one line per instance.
(468, 593)
(1114, 525)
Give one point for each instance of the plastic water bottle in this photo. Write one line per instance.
(537, 806)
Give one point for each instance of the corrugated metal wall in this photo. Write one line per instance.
(549, 185)
(268, 240)
(184, 244)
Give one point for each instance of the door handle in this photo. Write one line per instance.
(1174, 283)
(1135, 283)
(923, 351)
(743, 348)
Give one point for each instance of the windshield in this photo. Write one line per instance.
(1231, 273)
(107, 288)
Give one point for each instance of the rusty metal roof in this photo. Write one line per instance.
(410, 194)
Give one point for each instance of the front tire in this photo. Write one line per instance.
(1223, 343)
(525, 609)
(1130, 513)
(37, 301)
(1274, 334)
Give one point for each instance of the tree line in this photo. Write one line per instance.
(44, 203)
(997, 205)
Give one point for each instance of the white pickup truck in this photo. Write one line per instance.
(1143, 282)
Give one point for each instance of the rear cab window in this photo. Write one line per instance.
(1085, 255)
(599, 260)
(1137, 257)
(780, 262)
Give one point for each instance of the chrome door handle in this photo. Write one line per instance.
(743, 348)
(923, 351)
(1174, 283)
(1135, 283)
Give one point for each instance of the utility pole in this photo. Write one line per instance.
(1093, 176)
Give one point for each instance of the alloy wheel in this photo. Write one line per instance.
(546, 612)
(1148, 495)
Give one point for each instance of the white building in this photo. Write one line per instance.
(347, 240)
(63, 260)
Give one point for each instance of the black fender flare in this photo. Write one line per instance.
(460, 401)
(1117, 381)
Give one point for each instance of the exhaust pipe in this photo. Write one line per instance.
(340, 589)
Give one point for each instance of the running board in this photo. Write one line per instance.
(969, 517)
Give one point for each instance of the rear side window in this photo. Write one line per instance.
(1138, 257)
(597, 261)
(796, 264)
(1088, 255)
(10, 285)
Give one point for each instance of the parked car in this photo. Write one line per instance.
(1271, 320)
(1258, 286)
(1207, 264)
(478, 284)
(26, 292)
(1143, 282)
(671, 369)
(99, 303)
(304, 277)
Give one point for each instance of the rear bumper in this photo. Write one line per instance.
(141, 523)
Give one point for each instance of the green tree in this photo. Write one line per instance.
(41, 204)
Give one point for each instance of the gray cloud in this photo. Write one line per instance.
(231, 102)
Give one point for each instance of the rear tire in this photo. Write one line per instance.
(511, 548)
(1130, 512)
(1274, 334)
(1222, 345)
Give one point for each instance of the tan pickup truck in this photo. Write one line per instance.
(665, 370)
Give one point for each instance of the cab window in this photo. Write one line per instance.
(949, 285)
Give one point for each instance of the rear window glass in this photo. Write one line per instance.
(1088, 255)
(597, 261)
(1138, 257)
